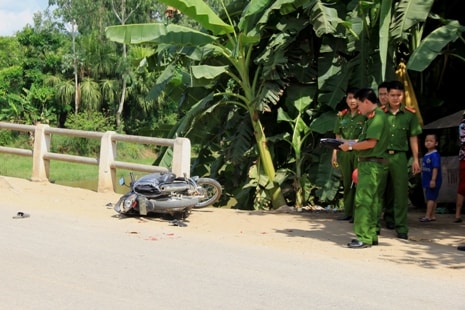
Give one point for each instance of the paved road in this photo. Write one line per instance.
(53, 261)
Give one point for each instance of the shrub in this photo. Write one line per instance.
(88, 121)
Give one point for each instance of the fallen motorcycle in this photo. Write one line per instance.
(165, 193)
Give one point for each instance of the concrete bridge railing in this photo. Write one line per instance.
(106, 161)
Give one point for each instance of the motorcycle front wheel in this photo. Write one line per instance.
(210, 189)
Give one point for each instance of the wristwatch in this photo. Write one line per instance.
(350, 147)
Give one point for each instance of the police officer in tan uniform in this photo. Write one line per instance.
(404, 129)
(372, 169)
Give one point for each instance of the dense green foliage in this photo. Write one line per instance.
(253, 84)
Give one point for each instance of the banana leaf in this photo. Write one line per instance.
(199, 11)
(158, 33)
(407, 14)
(431, 46)
(324, 123)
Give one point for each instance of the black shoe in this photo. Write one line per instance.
(390, 225)
(356, 244)
(351, 220)
(461, 248)
(458, 220)
(402, 236)
(344, 218)
(375, 242)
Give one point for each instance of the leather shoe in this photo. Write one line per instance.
(461, 248)
(357, 244)
(344, 218)
(402, 236)
(375, 242)
(390, 225)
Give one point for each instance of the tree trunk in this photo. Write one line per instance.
(277, 198)
(77, 90)
(122, 17)
(120, 106)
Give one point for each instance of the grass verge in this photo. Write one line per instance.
(68, 174)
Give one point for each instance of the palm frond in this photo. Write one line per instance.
(138, 53)
(65, 92)
(90, 94)
(110, 90)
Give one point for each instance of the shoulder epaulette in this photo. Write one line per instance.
(410, 109)
(384, 107)
(371, 114)
(343, 112)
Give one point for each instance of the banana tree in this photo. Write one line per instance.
(230, 50)
(300, 99)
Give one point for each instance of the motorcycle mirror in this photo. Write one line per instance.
(122, 181)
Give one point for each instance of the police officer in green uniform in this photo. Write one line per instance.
(372, 169)
(404, 129)
(348, 127)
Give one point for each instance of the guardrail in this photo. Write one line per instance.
(106, 161)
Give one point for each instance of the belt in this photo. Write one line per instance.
(392, 152)
(373, 160)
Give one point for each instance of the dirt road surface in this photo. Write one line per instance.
(75, 252)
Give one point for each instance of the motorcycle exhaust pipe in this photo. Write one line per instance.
(173, 187)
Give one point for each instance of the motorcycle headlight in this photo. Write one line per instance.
(129, 203)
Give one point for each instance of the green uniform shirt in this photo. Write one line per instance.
(403, 125)
(376, 127)
(347, 126)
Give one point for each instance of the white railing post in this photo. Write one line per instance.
(40, 165)
(107, 174)
(181, 164)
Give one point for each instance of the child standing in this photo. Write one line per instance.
(431, 177)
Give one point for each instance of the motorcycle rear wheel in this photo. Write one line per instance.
(212, 191)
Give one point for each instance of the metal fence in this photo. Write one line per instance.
(106, 161)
